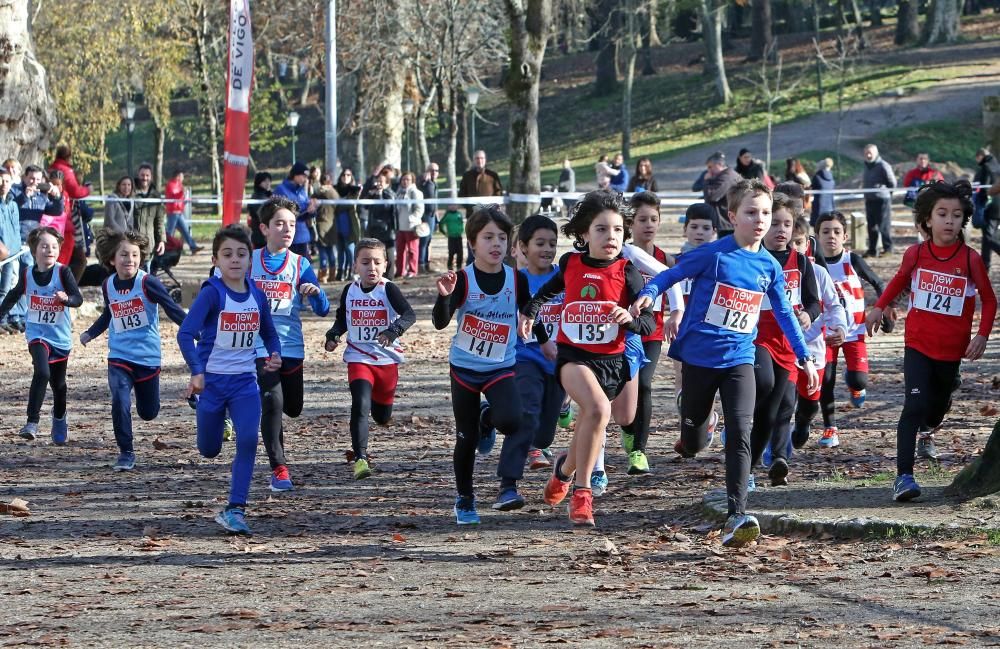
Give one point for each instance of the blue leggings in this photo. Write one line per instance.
(123, 379)
(240, 396)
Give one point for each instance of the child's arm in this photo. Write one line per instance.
(309, 286)
(988, 307)
(452, 287)
(523, 292)
(834, 316)
(72, 296)
(635, 283)
(691, 264)
(158, 294)
(811, 306)
(339, 327)
(883, 310)
(267, 331)
(784, 314)
(204, 309)
(14, 294)
(553, 287)
(866, 273)
(650, 266)
(406, 317)
(101, 325)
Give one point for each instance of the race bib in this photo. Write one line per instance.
(658, 302)
(238, 329)
(589, 323)
(45, 309)
(278, 294)
(940, 293)
(734, 309)
(367, 324)
(128, 315)
(548, 316)
(686, 285)
(483, 338)
(793, 291)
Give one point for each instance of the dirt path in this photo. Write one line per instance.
(110, 560)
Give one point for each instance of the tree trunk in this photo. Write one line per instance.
(943, 21)
(27, 112)
(606, 81)
(210, 119)
(161, 137)
(907, 22)
(453, 143)
(466, 117)
(715, 64)
(648, 26)
(530, 21)
(982, 476)
(875, 11)
(652, 20)
(630, 56)
(859, 29)
(761, 34)
(102, 154)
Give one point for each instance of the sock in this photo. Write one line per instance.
(559, 473)
(599, 464)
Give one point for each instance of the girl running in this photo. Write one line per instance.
(716, 339)
(131, 298)
(943, 275)
(217, 339)
(50, 288)
(598, 283)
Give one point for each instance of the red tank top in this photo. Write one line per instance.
(942, 303)
(591, 295)
(769, 333)
(660, 304)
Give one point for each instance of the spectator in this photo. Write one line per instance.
(919, 176)
(294, 189)
(822, 181)
(749, 168)
(878, 176)
(326, 227)
(643, 180)
(149, 220)
(13, 167)
(71, 188)
(480, 180)
(795, 172)
(348, 224)
(261, 192)
(35, 198)
(719, 178)
(176, 212)
(987, 208)
(409, 215)
(428, 186)
(315, 179)
(381, 217)
(567, 178)
(10, 238)
(71, 250)
(605, 173)
(119, 215)
(620, 182)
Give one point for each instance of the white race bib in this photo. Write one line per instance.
(46, 310)
(589, 323)
(128, 315)
(548, 316)
(483, 338)
(237, 330)
(278, 294)
(793, 291)
(939, 292)
(658, 302)
(734, 309)
(367, 324)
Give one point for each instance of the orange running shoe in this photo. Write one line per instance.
(581, 508)
(556, 489)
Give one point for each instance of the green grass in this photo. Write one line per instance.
(993, 537)
(881, 478)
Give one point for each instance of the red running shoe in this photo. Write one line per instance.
(581, 508)
(556, 489)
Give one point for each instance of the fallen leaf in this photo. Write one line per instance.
(16, 507)
(398, 538)
(786, 554)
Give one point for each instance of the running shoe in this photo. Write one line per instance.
(193, 402)
(280, 480)
(60, 431)
(905, 488)
(361, 469)
(234, 520)
(487, 433)
(680, 450)
(581, 508)
(778, 473)
(830, 439)
(767, 457)
(465, 511)
(637, 463)
(566, 415)
(740, 530)
(800, 435)
(29, 431)
(228, 431)
(509, 500)
(556, 489)
(598, 483)
(547, 452)
(628, 441)
(925, 447)
(858, 398)
(126, 462)
(751, 484)
(537, 460)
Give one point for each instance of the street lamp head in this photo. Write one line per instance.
(472, 95)
(407, 106)
(128, 110)
(293, 119)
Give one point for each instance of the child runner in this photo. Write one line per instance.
(374, 314)
(49, 288)
(599, 283)
(847, 269)
(131, 297)
(452, 226)
(699, 229)
(716, 339)
(285, 278)
(218, 339)
(943, 275)
(486, 295)
(775, 371)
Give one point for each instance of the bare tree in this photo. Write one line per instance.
(907, 22)
(631, 52)
(768, 82)
(715, 63)
(844, 65)
(943, 24)
(27, 112)
(761, 34)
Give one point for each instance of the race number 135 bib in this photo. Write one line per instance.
(940, 293)
(367, 324)
(278, 294)
(735, 309)
(484, 338)
(45, 309)
(589, 323)
(128, 315)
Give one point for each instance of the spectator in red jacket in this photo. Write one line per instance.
(922, 174)
(175, 194)
(75, 245)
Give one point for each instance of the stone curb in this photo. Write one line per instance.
(715, 505)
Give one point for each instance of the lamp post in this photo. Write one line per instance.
(407, 111)
(293, 121)
(128, 114)
(472, 97)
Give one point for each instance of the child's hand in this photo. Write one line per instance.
(812, 377)
(384, 339)
(331, 345)
(873, 321)
(195, 386)
(446, 283)
(672, 324)
(524, 325)
(804, 320)
(61, 296)
(836, 339)
(640, 304)
(550, 350)
(621, 315)
(273, 364)
(976, 348)
(84, 339)
(308, 289)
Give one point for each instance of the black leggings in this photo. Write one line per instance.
(855, 381)
(46, 374)
(455, 249)
(772, 382)
(506, 418)
(280, 391)
(361, 406)
(929, 385)
(805, 411)
(738, 390)
(644, 407)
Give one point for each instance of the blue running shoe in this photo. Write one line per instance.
(487, 433)
(905, 488)
(29, 431)
(858, 398)
(598, 483)
(60, 431)
(234, 520)
(767, 458)
(507, 501)
(740, 530)
(751, 484)
(280, 479)
(126, 462)
(465, 511)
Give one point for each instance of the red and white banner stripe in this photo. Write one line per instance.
(239, 82)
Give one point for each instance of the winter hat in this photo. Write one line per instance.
(299, 169)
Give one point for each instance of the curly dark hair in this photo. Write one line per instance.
(587, 209)
(930, 194)
(271, 206)
(108, 240)
(235, 231)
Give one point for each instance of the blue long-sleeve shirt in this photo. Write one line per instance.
(620, 182)
(10, 229)
(724, 276)
(157, 293)
(34, 206)
(289, 322)
(297, 194)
